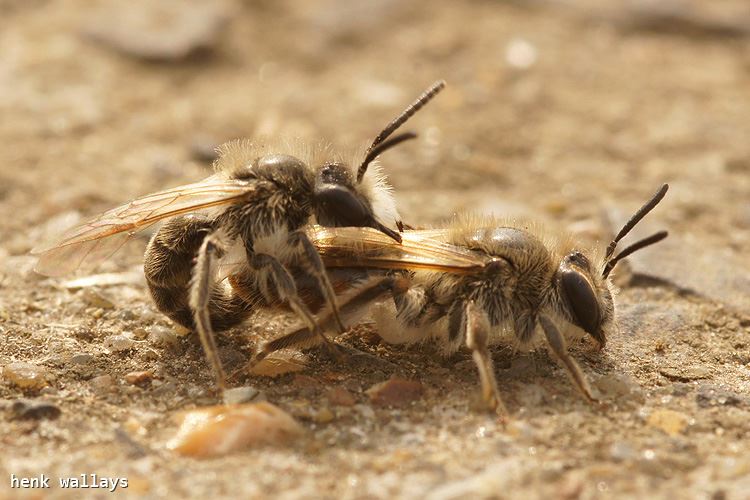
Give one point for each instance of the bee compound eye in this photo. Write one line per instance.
(581, 298)
(339, 206)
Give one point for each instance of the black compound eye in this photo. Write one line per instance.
(339, 206)
(582, 299)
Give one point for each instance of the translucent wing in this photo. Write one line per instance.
(95, 240)
(367, 247)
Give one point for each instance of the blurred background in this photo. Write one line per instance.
(569, 111)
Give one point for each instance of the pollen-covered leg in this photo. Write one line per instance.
(475, 328)
(200, 295)
(351, 307)
(557, 343)
(299, 238)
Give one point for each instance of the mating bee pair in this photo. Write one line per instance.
(305, 229)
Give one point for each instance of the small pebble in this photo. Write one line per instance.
(139, 378)
(25, 375)
(280, 363)
(239, 395)
(81, 359)
(24, 409)
(218, 430)
(95, 299)
(102, 384)
(162, 336)
(148, 354)
(323, 416)
(118, 343)
(614, 385)
(338, 396)
(670, 421)
(708, 396)
(127, 315)
(140, 334)
(396, 392)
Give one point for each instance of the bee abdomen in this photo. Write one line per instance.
(168, 267)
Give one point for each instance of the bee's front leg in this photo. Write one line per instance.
(300, 239)
(557, 343)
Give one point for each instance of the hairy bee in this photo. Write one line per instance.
(475, 282)
(230, 239)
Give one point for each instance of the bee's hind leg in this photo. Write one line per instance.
(200, 296)
(557, 342)
(353, 305)
(476, 328)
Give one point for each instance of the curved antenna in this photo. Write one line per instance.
(388, 144)
(636, 218)
(423, 99)
(654, 238)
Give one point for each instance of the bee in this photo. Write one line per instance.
(228, 241)
(476, 282)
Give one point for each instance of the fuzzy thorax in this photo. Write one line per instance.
(237, 155)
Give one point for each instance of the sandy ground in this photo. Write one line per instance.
(569, 112)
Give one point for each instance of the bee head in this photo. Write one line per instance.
(585, 290)
(342, 200)
(339, 202)
(586, 296)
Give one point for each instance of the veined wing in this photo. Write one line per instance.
(367, 247)
(95, 240)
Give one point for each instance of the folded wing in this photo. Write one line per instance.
(367, 247)
(92, 242)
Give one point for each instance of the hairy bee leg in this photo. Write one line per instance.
(168, 266)
(558, 345)
(319, 272)
(287, 290)
(476, 327)
(303, 337)
(200, 296)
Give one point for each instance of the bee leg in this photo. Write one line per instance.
(200, 295)
(355, 304)
(299, 238)
(287, 290)
(557, 342)
(476, 329)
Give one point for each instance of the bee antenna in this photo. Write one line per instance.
(373, 151)
(654, 238)
(636, 218)
(377, 150)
